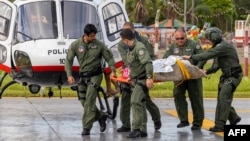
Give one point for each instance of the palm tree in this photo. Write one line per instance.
(141, 13)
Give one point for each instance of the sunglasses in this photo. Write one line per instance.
(182, 38)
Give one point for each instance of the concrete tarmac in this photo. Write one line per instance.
(55, 119)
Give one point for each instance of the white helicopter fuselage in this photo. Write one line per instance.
(35, 36)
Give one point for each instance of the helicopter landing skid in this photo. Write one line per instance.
(2, 89)
(108, 112)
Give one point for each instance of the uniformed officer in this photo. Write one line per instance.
(141, 70)
(184, 46)
(225, 58)
(89, 53)
(126, 88)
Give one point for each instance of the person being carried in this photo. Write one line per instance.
(89, 53)
(109, 82)
(226, 59)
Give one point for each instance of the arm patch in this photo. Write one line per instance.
(141, 52)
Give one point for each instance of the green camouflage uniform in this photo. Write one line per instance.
(126, 88)
(146, 43)
(225, 58)
(193, 86)
(141, 67)
(89, 57)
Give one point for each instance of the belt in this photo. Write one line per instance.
(234, 71)
(141, 76)
(91, 73)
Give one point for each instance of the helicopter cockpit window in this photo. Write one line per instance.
(5, 16)
(75, 16)
(114, 19)
(37, 20)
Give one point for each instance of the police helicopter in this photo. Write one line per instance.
(35, 36)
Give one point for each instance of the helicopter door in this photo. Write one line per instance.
(112, 16)
(7, 22)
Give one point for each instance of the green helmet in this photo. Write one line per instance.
(213, 34)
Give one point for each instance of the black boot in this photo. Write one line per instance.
(157, 125)
(236, 121)
(123, 129)
(196, 127)
(136, 133)
(102, 122)
(183, 124)
(216, 129)
(85, 132)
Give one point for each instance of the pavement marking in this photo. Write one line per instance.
(238, 111)
(207, 123)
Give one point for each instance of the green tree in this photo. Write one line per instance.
(221, 13)
(242, 8)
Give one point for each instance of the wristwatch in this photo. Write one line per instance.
(149, 77)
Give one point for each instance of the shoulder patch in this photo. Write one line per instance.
(81, 49)
(141, 52)
(198, 47)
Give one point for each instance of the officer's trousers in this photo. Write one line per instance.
(195, 94)
(87, 95)
(224, 110)
(138, 107)
(125, 106)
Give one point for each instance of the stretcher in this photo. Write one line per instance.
(177, 70)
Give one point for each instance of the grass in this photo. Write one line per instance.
(161, 90)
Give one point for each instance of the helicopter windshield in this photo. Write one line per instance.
(75, 16)
(37, 20)
(5, 16)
